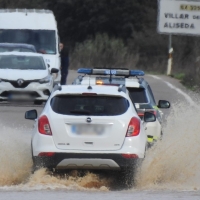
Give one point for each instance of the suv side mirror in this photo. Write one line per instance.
(54, 70)
(163, 104)
(31, 114)
(149, 117)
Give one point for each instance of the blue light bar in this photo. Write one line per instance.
(84, 71)
(115, 72)
(136, 73)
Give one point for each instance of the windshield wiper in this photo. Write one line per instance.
(87, 112)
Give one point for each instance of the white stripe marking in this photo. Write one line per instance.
(187, 97)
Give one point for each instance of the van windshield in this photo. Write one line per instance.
(43, 40)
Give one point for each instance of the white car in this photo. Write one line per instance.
(25, 76)
(138, 89)
(89, 127)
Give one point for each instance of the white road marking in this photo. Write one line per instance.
(187, 97)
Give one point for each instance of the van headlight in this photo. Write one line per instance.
(47, 79)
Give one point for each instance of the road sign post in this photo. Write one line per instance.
(178, 17)
(170, 58)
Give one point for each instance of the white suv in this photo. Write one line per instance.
(89, 127)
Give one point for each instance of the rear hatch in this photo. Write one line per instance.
(94, 123)
(140, 98)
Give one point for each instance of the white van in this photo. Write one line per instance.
(32, 26)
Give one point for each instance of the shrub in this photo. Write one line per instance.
(102, 51)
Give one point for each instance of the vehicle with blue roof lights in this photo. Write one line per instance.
(138, 89)
(92, 128)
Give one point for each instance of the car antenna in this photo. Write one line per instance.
(110, 79)
(89, 87)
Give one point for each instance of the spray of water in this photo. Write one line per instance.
(16, 167)
(174, 162)
(42, 179)
(15, 156)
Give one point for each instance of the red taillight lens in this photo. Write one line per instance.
(44, 126)
(48, 154)
(141, 115)
(154, 112)
(133, 127)
(130, 155)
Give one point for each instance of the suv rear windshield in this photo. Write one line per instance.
(89, 105)
(138, 95)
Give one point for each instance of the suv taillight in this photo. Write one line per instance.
(44, 126)
(133, 127)
(47, 154)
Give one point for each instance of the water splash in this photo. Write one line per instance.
(16, 165)
(73, 180)
(174, 162)
(15, 156)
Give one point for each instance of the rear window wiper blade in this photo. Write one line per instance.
(87, 112)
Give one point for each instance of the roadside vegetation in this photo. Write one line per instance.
(102, 51)
(118, 33)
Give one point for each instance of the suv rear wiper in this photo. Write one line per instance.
(87, 112)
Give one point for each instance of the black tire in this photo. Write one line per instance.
(35, 165)
(38, 102)
(150, 144)
(126, 177)
(161, 135)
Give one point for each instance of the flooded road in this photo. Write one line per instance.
(170, 170)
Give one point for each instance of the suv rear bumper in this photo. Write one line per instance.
(85, 161)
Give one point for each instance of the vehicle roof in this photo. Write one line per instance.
(34, 19)
(79, 89)
(29, 46)
(21, 54)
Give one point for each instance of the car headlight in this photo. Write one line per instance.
(47, 79)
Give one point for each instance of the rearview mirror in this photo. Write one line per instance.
(31, 114)
(54, 70)
(149, 117)
(163, 104)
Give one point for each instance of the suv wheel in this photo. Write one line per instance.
(127, 176)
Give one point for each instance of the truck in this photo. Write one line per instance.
(32, 26)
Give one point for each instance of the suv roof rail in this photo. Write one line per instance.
(57, 87)
(141, 80)
(122, 88)
(78, 80)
